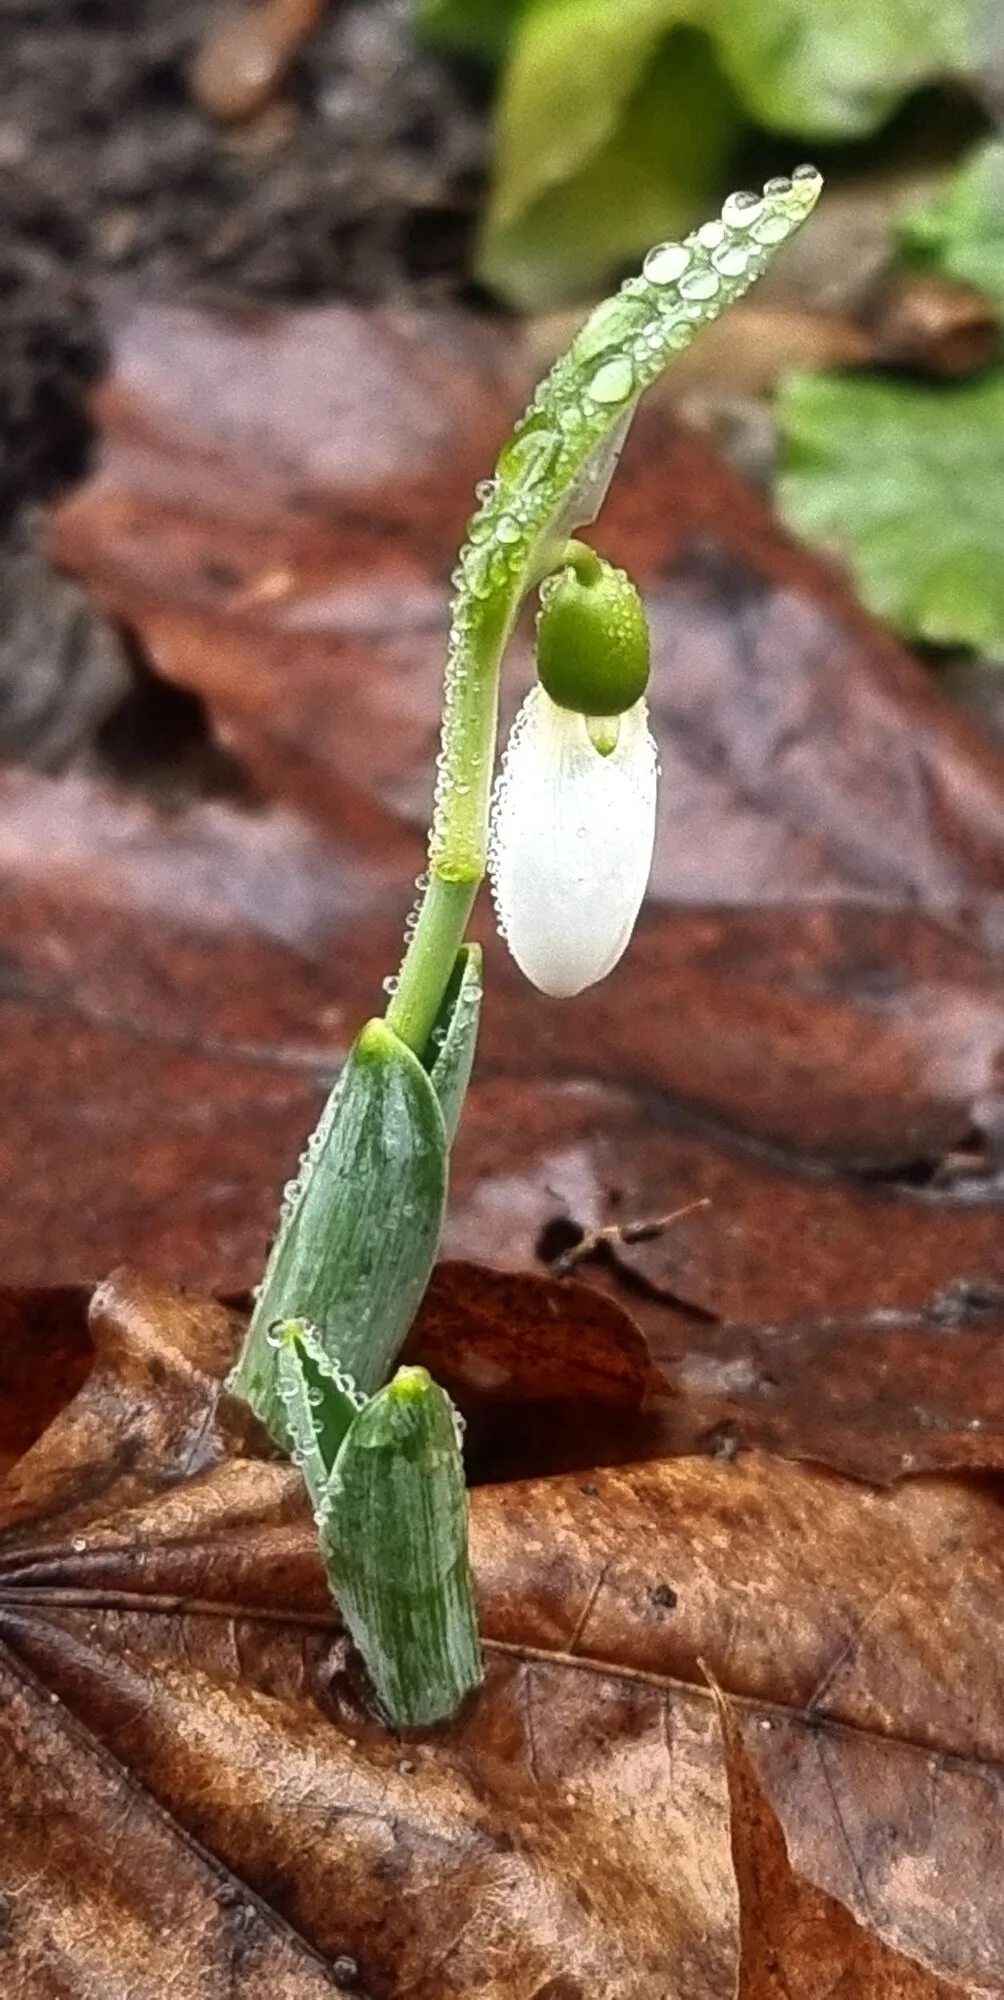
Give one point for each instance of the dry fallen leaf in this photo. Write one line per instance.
(201, 1795)
(794, 1938)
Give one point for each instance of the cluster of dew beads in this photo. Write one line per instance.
(684, 285)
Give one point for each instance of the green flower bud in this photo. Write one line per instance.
(592, 637)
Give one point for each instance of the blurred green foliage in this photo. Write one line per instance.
(616, 119)
(961, 231)
(906, 483)
(904, 480)
(617, 122)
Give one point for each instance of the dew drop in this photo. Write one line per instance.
(776, 189)
(699, 285)
(528, 458)
(710, 235)
(484, 490)
(804, 174)
(612, 323)
(508, 530)
(390, 984)
(770, 229)
(741, 210)
(613, 381)
(731, 260)
(477, 571)
(666, 263)
(679, 336)
(78, 1545)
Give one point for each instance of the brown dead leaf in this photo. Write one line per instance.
(543, 1371)
(45, 1355)
(174, 1665)
(793, 1938)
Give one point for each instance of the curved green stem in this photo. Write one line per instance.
(551, 477)
(429, 959)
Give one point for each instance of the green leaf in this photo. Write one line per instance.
(454, 1037)
(834, 69)
(634, 156)
(360, 1226)
(320, 1403)
(480, 28)
(393, 1530)
(960, 231)
(573, 69)
(906, 483)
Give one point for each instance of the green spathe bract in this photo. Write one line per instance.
(394, 1539)
(320, 1403)
(361, 1222)
(358, 1235)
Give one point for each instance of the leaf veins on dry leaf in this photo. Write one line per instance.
(199, 1801)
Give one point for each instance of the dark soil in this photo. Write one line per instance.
(360, 180)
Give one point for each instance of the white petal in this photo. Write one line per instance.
(572, 839)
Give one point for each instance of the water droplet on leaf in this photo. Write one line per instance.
(732, 259)
(666, 263)
(613, 381)
(741, 210)
(770, 229)
(699, 285)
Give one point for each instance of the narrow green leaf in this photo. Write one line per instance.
(393, 1529)
(360, 1227)
(454, 1037)
(320, 1403)
(906, 483)
(553, 471)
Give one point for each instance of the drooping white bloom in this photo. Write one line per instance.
(572, 837)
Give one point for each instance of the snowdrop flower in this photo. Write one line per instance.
(572, 836)
(573, 822)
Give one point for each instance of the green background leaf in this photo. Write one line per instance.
(835, 69)
(636, 156)
(906, 483)
(481, 28)
(961, 230)
(616, 118)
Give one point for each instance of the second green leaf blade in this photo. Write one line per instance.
(393, 1527)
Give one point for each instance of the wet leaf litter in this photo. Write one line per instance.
(716, 1518)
